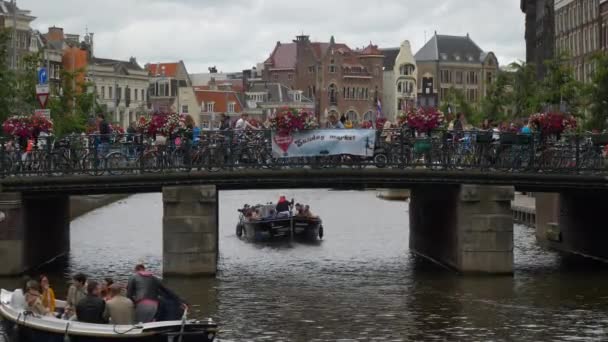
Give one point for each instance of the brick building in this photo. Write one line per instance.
(540, 32)
(339, 79)
(577, 33)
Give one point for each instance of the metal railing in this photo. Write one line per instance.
(229, 150)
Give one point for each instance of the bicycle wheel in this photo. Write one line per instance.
(150, 162)
(117, 163)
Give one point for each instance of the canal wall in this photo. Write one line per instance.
(524, 209)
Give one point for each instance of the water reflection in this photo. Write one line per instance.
(360, 283)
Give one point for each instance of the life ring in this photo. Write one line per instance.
(239, 230)
(321, 232)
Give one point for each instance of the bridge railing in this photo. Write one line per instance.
(229, 150)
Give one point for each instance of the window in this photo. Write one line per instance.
(406, 69)
(490, 78)
(275, 77)
(458, 77)
(311, 69)
(443, 94)
(446, 76)
(103, 92)
(457, 57)
(472, 95)
(333, 94)
(184, 109)
(210, 107)
(110, 95)
(231, 107)
(472, 77)
(143, 97)
(290, 77)
(135, 93)
(353, 117)
(297, 97)
(369, 116)
(444, 56)
(332, 69)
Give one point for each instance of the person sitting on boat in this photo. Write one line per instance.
(105, 288)
(18, 296)
(92, 309)
(33, 300)
(255, 214)
(299, 210)
(307, 213)
(48, 295)
(76, 292)
(144, 290)
(120, 309)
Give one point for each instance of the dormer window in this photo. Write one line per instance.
(297, 97)
(457, 57)
(470, 58)
(444, 56)
(231, 106)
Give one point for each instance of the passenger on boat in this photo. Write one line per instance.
(120, 309)
(307, 213)
(33, 300)
(255, 214)
(92, 309)
(76, 292)
(105, 288)
(282, 207)
(144, 289)
(18, 296)
(299, 210)
(48, 295)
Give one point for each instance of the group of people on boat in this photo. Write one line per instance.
(282, 209)
(145, 299)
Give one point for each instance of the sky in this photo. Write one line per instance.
(236, 34)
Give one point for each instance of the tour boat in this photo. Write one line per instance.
(271, 226)
(26, 326)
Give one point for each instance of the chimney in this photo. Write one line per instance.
(212, 84)
(132, 60)
(302, 39)
(55, 34)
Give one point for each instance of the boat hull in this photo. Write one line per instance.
(308, 230)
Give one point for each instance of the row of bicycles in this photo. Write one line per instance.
(229, 150)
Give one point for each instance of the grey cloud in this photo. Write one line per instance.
(236, 34)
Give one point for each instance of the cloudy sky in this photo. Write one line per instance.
(236, 34)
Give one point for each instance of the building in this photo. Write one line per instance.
(264, 99)
(400, 80)
(229, 80)
(339, 79)
(120, 86)
(604, 25)
(213, 101)
(17, 20)
(540, 33)
(171, 89)
(577, 34)
(453, 62)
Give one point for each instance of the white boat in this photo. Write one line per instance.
(30, 327)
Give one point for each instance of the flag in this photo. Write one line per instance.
(379, 107)
(449, 109)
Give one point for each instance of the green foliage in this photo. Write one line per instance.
(598, 94)
(26, 78)
(559, 86)
(7, 77)
(497, 99)
(457, 100)
(524, 97)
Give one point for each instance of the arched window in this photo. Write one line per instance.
(369, 116)
(406, 70)
(352, 116)
(333, 94)
(400, 87)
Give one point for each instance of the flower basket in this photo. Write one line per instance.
(424, 120)
(290, 120)
(553, 123)
(27, 126)
(422, 145)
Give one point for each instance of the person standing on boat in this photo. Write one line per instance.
(282, 206)
(48, 295)
(92, 309)
(76, 292)
(145, 290)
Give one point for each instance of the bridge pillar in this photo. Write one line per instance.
(468, 228)
(33, 230)
(580, 225)
(190, 230)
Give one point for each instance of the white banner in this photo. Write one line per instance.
(324, 142)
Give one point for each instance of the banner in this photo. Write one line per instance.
(326, 142)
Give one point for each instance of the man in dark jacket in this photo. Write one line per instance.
(92, 309)
(145, 290)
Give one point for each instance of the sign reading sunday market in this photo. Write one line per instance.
(314, 143)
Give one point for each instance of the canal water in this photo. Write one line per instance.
(360, 284)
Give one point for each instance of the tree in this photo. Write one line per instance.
(598, 94)
(26, 80)
(559, 87)
(497, 99)
(71, 110)
(7, 77)
(524, 97)
(458, 102)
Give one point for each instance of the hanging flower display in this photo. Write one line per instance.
(116, 129)
(27, 126)
(290, 120)
(166, 124)
(425, 119)
(143, 125)
(380, 123)
(553, 122)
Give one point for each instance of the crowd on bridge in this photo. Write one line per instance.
(144, 299)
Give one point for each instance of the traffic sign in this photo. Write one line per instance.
(43, 112)
(42, 94)
(42, 76)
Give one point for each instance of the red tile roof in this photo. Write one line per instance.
(220, 99)
(371, 50)
(170, 69)
(283, 56)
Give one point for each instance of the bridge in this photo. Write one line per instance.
(460, 212)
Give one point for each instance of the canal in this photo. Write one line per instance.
(360, 283)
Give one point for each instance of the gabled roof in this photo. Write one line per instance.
(455, 49)
(170, 69)
(371, 50)
(277, 92)
(390, 56)
(283, 56)
(130, 65)
(220, 98)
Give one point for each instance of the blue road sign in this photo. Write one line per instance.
(42, 76)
